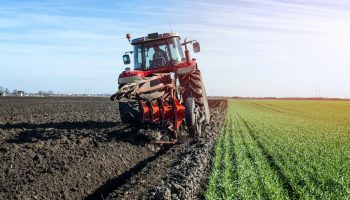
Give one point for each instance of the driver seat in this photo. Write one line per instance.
(158, 62)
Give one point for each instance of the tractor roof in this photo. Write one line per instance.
(153, 37)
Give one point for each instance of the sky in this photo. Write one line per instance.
(248, 48)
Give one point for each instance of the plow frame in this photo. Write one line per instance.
(160, 112)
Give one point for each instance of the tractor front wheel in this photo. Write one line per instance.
(129, 112)
(191, 117)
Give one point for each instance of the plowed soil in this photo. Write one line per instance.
(76, 148)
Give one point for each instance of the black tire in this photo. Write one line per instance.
(194, 87)
(199, 129)
(129, 112)
(192, 82)
(112, 98)
(121, 85)
(190, 115)
(206, 105)
(194, 127)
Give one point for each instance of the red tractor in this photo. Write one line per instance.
(165, 88)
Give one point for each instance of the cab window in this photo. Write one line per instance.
(157, 56)
(138, 57)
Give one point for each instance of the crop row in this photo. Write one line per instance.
(272, 149)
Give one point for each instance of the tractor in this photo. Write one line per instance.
(165, 89)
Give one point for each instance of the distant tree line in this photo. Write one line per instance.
(48, 93)
(4, 90)
(7, 92)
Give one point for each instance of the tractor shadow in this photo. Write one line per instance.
(105, 131)
(62, 125)
(115, 183)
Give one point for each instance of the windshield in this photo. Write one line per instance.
(157, 54)
(176, 50)
(137, 57)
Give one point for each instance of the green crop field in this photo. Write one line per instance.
(283, 149)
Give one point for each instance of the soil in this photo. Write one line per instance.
(77, 148)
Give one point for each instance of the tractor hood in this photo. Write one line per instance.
(129, 76)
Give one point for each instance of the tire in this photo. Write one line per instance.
(206, 105)
(194, 87)
(192, 82)
(121, 85)
(190, 115)
(129, 112)
(199, 129)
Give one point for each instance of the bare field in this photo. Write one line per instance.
(76, 148)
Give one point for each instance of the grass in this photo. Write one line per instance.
(283, 149)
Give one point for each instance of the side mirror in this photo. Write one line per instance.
(196, 47)
(126, 59)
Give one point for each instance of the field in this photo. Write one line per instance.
(283, 149)
(76, 148)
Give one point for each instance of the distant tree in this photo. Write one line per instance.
(41, 92)
(50, 92)
(7, 90)
(1, 89)
(14, 91)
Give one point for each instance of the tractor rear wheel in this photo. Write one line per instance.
(194, 87)
(129, 112)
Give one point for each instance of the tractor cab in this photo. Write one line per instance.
(156, 53)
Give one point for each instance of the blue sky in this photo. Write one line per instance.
(248, 48)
